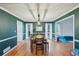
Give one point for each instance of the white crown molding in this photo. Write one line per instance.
(65, 18)
(2, 8)
(67, 12)
(62, 14)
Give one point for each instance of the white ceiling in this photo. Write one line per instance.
(48, 12)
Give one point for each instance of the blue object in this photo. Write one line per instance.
(65, 38)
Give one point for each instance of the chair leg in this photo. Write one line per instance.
(42, 51)
(36, 50)
(45, 49)
(48, 47)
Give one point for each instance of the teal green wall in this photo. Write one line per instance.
(77, 25)
(53, 30)
(76, 13)
(77, 45)
(34, 26)
(8, 28)
(7, 25)
(24, 30)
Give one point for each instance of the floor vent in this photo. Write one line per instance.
(6, 49)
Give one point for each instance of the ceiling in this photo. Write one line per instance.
(29, 12)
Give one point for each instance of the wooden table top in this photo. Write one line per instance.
(39, 36)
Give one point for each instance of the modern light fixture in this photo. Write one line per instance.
(38, 22)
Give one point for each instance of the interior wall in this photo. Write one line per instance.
(8, 35)
(35, 25)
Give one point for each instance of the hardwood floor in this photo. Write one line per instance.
(55, 49)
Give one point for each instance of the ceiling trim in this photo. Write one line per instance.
(45, 12)
(29, 9)
(66, 12)
(38, 14)
(2, 8)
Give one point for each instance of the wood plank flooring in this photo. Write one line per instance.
(55, 49)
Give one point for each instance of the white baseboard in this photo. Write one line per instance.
(9, 50)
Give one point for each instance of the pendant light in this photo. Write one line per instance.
(38, 22)
(39, 19)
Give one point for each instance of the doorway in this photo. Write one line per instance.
(65, 27)
(29, 30)
(19, 31)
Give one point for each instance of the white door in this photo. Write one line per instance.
(19, 31)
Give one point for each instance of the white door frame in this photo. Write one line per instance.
(46, 31)
(73, 27)
(27, 29)
(50, 30)
(19, 31)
